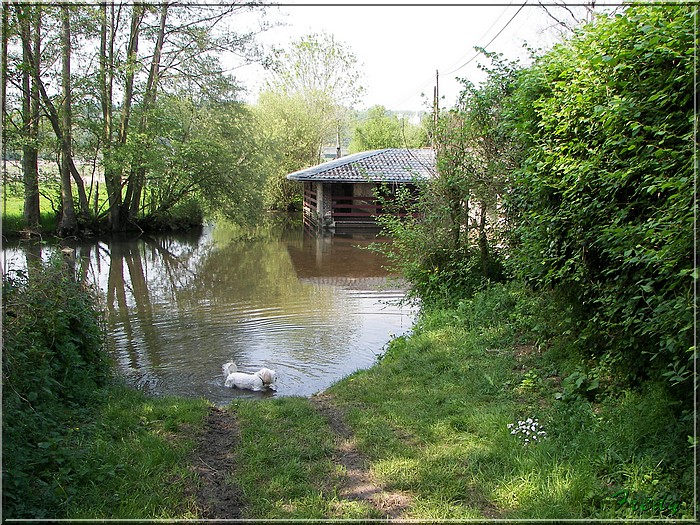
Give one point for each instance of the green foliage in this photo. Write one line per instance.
(294, 134)
(439, 273)
(52, 363)
(433, 416)
(450, 243)
(320, 69)
(304, 106)
(201, 159)
(380, 129)
(603, 204)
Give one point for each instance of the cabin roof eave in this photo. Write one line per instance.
(385, 165)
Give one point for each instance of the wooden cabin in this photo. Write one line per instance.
(341, 193)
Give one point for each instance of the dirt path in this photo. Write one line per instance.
(357, 483)
(217, 496)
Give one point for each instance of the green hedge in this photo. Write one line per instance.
(53, 364)
(602, 206)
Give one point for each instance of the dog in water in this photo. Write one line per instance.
(263, 378)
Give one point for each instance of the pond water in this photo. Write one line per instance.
(313, 308)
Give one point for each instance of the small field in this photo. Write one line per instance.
(436, 429)
(13, 218)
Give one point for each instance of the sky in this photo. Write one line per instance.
(400, 47)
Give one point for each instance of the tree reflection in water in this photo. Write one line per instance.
(178, 306)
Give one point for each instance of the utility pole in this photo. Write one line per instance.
(436, 97)
(590, 11)
(338, 153)
(436, 105)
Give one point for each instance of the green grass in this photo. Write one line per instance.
(284, 462)
(138, 452)
(13, 216)
(433, 415)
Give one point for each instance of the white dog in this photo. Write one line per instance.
(263, 378)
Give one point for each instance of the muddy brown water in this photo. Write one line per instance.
(313, 308)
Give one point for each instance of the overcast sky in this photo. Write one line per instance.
(400, 47)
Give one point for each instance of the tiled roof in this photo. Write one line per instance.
(382, 165)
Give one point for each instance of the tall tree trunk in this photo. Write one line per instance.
(4, 8)
(136, 19)
(112, 173)
(137, 180)
(483, 241)
(137, 15)
(68, 224)
(30, 106)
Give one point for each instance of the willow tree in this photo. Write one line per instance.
(98, 73)
(313, 85)
(167, 49)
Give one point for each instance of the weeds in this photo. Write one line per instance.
(53, 367)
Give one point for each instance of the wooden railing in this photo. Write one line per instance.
(355, 207)
(309, 213)
(310, 198)
(344, 209)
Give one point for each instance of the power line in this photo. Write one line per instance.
(489, 43)
(427, 83)
(485, 33)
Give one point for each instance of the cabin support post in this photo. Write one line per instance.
(324, 205)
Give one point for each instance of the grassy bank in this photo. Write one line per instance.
(137, 451)
(436, 428)
(13, 216)
(184, 216)
(438, 419)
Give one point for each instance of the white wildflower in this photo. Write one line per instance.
(530, 430)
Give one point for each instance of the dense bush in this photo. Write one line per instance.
(52, 365)
(602, 206)
(448, 245)
(575, 174)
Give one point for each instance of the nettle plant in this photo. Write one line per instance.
(530, 431)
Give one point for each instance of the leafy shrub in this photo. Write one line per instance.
(442, 267)
(52, 366)
(602, 207)
(182, 216)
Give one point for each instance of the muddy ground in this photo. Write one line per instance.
(217, 498)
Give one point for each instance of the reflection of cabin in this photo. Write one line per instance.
(342, 192)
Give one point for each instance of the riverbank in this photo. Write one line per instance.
(436, 429)
(185, 217)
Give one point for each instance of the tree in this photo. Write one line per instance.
(99, 72)
(68, 224)
(305, 105)
(380, 129)
(30, 21)
(59, 120)
(208, 157)
(322, 73)
(490, 153)
(450, 242)
(293, 136)
(181, 55)
(316, 65)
